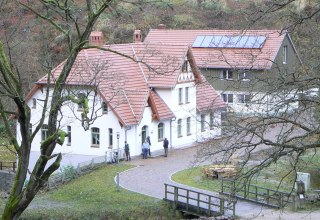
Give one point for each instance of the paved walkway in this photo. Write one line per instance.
(149, 176)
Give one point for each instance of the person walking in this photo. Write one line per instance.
(145, 149)
(127, 150)
(165, 146)
(149, 142)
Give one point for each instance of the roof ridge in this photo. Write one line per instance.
(125, 95)
(136, 57)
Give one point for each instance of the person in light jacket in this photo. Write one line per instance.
(145, 149)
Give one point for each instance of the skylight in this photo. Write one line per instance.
(241, 41)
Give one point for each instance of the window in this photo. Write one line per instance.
(187, 95)
(44, 132)
(228, 98)
(188, 126)
(104, 108)
(244, 76)
(227, 74)
(95, 135)
(110, 138)
(30, 130)
(185, 67)
(244, 98)
(203, 117)
(179, 128)
(160, 131)
(34, 103)
(284, 54)
(69, 135)
(81, 97)
(211, 120)
(180, 96)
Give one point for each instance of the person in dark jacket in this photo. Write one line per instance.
(127, 150)
(165, 146)
(148, 140)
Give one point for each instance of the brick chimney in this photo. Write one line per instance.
(96, 39)
(137, 37)
(161, 26)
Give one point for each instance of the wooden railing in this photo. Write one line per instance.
(8, 165)
(257, 194)
(197, 202)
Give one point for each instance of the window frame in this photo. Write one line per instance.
(30, 130)
(189, 126)
(104, 107)
(69, 135)
(185, 67)
(110, 137)
(186, 94)
(81, 104)
(34, 103)
(211, 123)
(284, 54)
(180, 96)
(226, 97)
(246, 75)
(244, 98)
(44, 132)
(227, 74)
(95, 137)
(202, 122)
(179, 128)
(160, 131)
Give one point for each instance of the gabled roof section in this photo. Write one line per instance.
(124, 73)
(159, 107)
(207, 97)
(260, 55)
(161, 64)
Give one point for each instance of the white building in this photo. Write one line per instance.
(153, 90)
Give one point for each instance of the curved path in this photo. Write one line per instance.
(149, 176)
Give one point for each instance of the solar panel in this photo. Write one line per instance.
(198, 41)
(245, 41)
(215, 41)
(206, 41)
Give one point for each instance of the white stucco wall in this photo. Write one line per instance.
(262, 103)
(81, 143)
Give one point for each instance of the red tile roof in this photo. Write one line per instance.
(207, 97)
(161, 108)
(124, 81)
(224, 57)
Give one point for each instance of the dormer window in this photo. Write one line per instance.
(185, 68)
(226, 74)
(284, 54)
(81, 97)
(104, 108)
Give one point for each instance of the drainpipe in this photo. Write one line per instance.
(173, 119)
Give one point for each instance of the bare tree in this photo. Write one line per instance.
(288, 128)
(63, 17)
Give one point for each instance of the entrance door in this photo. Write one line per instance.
(144, 133)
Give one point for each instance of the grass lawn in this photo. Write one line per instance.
(95, 196)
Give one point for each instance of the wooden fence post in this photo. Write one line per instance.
(221, 206)
(176, 196)
(222, 184)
